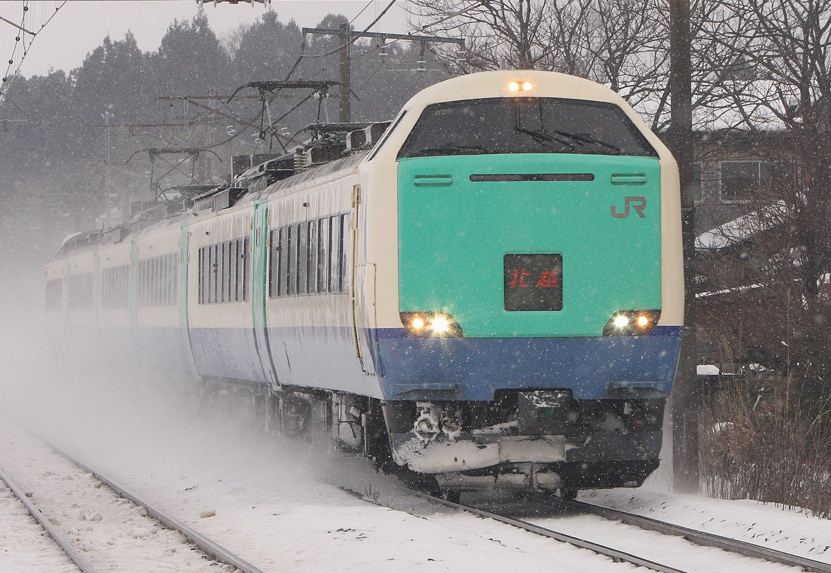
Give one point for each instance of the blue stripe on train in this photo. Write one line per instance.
(474, 368)
(411, 368)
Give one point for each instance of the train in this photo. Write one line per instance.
(485, 292)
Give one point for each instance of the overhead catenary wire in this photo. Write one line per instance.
(354, 37)
(20, 42)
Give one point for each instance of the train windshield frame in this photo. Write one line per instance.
(511, 125)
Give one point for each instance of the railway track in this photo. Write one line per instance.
(159, 541)
(204, 543)
(72, 552)
(694, 536)
(703, 538)
(614, 554)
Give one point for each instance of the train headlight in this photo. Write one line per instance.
(520, 86)
(632, 323)
(431, 324)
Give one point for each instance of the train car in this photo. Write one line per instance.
(489, 295)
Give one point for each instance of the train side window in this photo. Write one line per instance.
(160, 278)
(302, 258)
(246, 245)
(292, 266)
(144, 282)
(274, 264)
(323, 255)
(206, 274)
(220, 272)
(242, 278)
(155, 280)
(170, 270)
(282, 287)
(233, 268)
(344, 253)
(80, 291)
(311, 283)
(386, 135)
(152, 281)
(206, 279)
(334, 253)
(217, 274)
(212, 265)
(54, 294)
(156, 292)
(142, 289)
(240, 269)
(166, 279)
(107, 288)
(172, 278)
(227, 262)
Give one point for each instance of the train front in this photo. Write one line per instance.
(529, 314)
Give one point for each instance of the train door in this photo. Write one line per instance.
(182, 294)
(363, 293)
(259, 290)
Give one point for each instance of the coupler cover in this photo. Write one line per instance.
(543, 412)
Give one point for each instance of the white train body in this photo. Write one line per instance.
(307, 285)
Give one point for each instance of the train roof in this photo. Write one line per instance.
(497, 84)
(326, 159)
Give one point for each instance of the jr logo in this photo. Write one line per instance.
(637, 203)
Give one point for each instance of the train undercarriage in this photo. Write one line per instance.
(525, 441)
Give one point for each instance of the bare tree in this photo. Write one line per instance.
(499, 33)
(618, 43)
(774, 78)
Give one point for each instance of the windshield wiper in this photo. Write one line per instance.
(579, 137)
(450, 150)
(541, 137)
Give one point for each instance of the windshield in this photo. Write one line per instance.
(524, 125)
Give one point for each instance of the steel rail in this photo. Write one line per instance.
(703, 538)
(207, 545)
(67, 547)
(615, 554)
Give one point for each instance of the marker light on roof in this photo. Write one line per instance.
(524, 86)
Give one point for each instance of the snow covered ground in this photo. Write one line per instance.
(274, 504)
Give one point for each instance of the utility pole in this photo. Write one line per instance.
(345, 99)
(685, 394)
(348, 37)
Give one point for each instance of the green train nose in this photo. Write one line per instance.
(554, 247)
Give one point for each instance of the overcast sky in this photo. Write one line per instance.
(80, 25)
